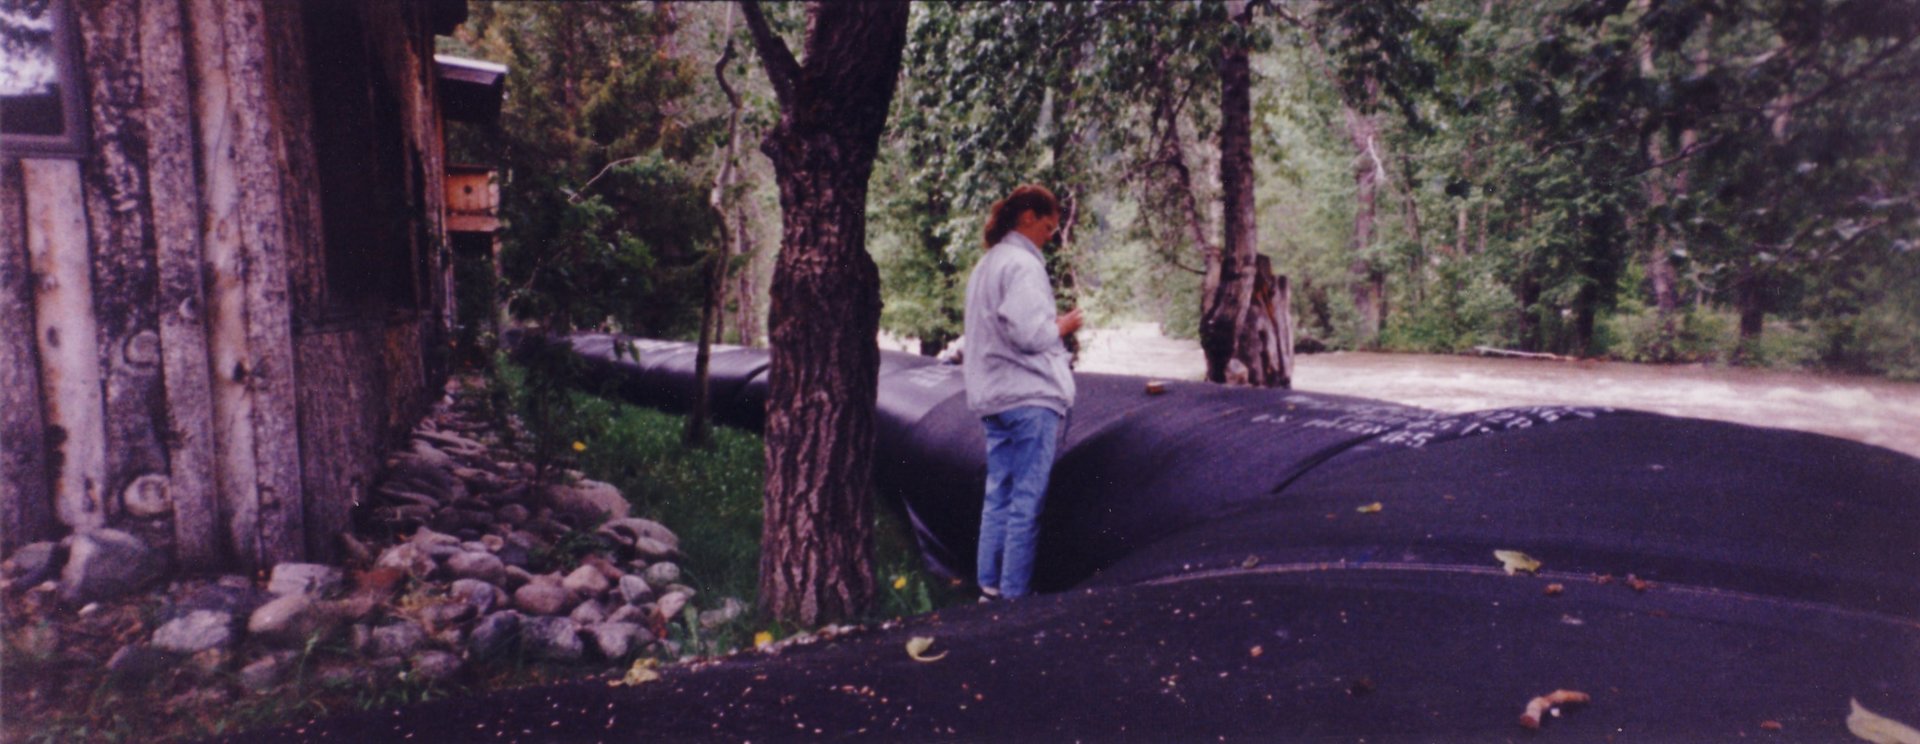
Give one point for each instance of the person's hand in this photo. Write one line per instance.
(1070, 322)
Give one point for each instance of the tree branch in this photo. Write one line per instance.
(782, 69)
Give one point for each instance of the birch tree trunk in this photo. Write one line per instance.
(817, 543)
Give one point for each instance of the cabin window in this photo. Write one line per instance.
(359, 138)
(40, 105)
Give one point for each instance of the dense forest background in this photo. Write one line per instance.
(1649, 180)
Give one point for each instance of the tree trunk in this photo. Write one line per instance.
(1660, 274)
(1231, 291)
(1369, 282)
(817, 544)
(699, 432)
(746, 321)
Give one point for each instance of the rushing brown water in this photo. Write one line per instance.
(1863, 409)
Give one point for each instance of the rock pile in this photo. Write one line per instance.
(482, 562)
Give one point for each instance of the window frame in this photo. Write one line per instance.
(73, 141)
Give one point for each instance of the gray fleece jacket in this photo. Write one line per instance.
(1014, 355)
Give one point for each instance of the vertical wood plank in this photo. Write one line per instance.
(124, 270)
(341, 389)
(224, 251)
(256, 121)
(306, 260)
(26, 498)
(66, 334)
(181, 301)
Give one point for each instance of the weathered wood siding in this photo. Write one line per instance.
(26, 504)
(171, 361)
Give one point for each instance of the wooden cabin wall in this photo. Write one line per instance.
(171, 362)
(26, 496)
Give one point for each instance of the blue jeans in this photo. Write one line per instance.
(1020, 448)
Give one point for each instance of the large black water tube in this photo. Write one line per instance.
(1202, 478)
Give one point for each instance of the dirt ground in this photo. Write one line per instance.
(1863, 409)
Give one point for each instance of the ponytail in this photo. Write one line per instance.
(1006, 213)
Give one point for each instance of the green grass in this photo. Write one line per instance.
(711, 498)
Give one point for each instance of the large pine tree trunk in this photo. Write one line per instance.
(1369, 282)
(816, 545)
(1234, 327)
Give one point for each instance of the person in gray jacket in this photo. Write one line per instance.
(1018, 383)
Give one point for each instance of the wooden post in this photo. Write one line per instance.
(175, 203)
(66, 332)
(249, 317)
(26, 499)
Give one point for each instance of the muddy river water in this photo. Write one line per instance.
(1863, 409)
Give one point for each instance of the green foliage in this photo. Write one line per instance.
(710, 498)
(603, 200)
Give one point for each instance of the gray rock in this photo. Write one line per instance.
(635, 589)
(483, 566)
(452, 637)
(287, 621)
(107, 563)
(237, 600)
(345, 676)
(628, 614)
(670, 606)
(628, 531)
(31, 564)
(541, 598)
(654, 550)
(435, 666)
(433, 457)
(586, 581)
(588, 612)
(617, 640)
(662, 574)
(198, 631)
(555, 638)
(681, 588)
(422, 475)
(729, 610)
(311, 579)
(514, 554)
(397, 496)
(266, 672)
(513, 514)
(494, 634)
(138, 662)
(590, 499)
(445, 614)
(516, 576)
(407, 557)
(482, 595)
(398, 639)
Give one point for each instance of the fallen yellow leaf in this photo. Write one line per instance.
(762, 638)
(917, 648)
(1516, 561)
(1373, 508)
(579, 446)
(1879, 729)
(899, 582)
(640, 673)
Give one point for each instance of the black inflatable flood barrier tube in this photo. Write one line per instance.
(1151, 487)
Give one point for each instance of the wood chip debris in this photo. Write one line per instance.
(1538, 707)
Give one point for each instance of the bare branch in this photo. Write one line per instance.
(575, 196)
(782, 69)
